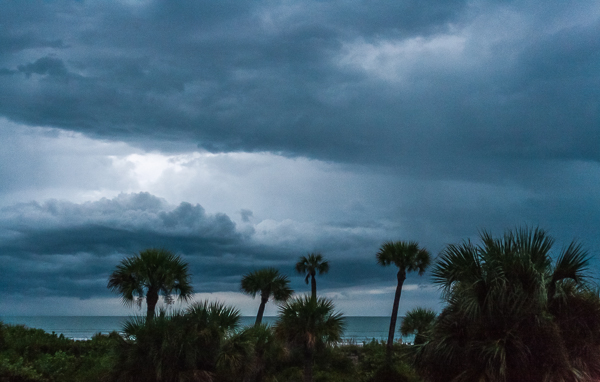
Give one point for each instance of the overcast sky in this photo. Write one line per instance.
(244, 134)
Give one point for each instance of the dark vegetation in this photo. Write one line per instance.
(34, 355)
(148, 275)
(514, 312)
(195, 345)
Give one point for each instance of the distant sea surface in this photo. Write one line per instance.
(84, 327)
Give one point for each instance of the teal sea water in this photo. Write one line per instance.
(358, 329)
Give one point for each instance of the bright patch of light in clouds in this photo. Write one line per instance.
(146, 169)
(79, 168)
(43, 163)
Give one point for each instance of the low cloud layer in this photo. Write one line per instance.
(60, 248)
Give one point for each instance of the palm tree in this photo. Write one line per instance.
(513, 313)
(311, 265)
(181, 346)
(309, 324)
(408, 257)
(268, 282)
(252, 355)
(147, 275)
(419, 322)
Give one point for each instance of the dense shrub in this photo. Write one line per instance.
(515, 312)
(34, 355)
(180, 346)
(211, 347)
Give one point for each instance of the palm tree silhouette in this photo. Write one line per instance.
(419, 322)
(311, 265)
(149, 274)
(309, 323)
(259, 353)
(176, 346)
(408, 257)
(268, 282)
(514, 313)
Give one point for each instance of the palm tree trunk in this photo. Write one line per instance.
(308, 363)
(313, 286)
(390, 342)
(261, 309)
(151, 300)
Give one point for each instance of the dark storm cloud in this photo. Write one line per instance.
(270, 76)
(60, 248)
(65, 248)
(11, 43)
(125, 224)
(45, 65)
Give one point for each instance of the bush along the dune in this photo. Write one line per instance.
(34, 355)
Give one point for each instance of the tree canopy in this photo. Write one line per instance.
(311, 265)
(308, 324)
(269, 283)
(515, 312)
(151, 273)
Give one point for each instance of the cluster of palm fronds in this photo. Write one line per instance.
(149, 274)
(205, 343)
(173, 347)
(512, 313)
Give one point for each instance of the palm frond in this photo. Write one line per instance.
(304, 321)
(458, 263)
(573, 263)
(418, 321)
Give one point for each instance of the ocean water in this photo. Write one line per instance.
(359, 329)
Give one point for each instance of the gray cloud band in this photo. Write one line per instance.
(418, 87)
(68, 249)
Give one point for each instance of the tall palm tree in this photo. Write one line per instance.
(269, 283)
(408, 257)
(311, 265)
(418, 321)
(149, 274)
(513, 313)
(309, 323)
